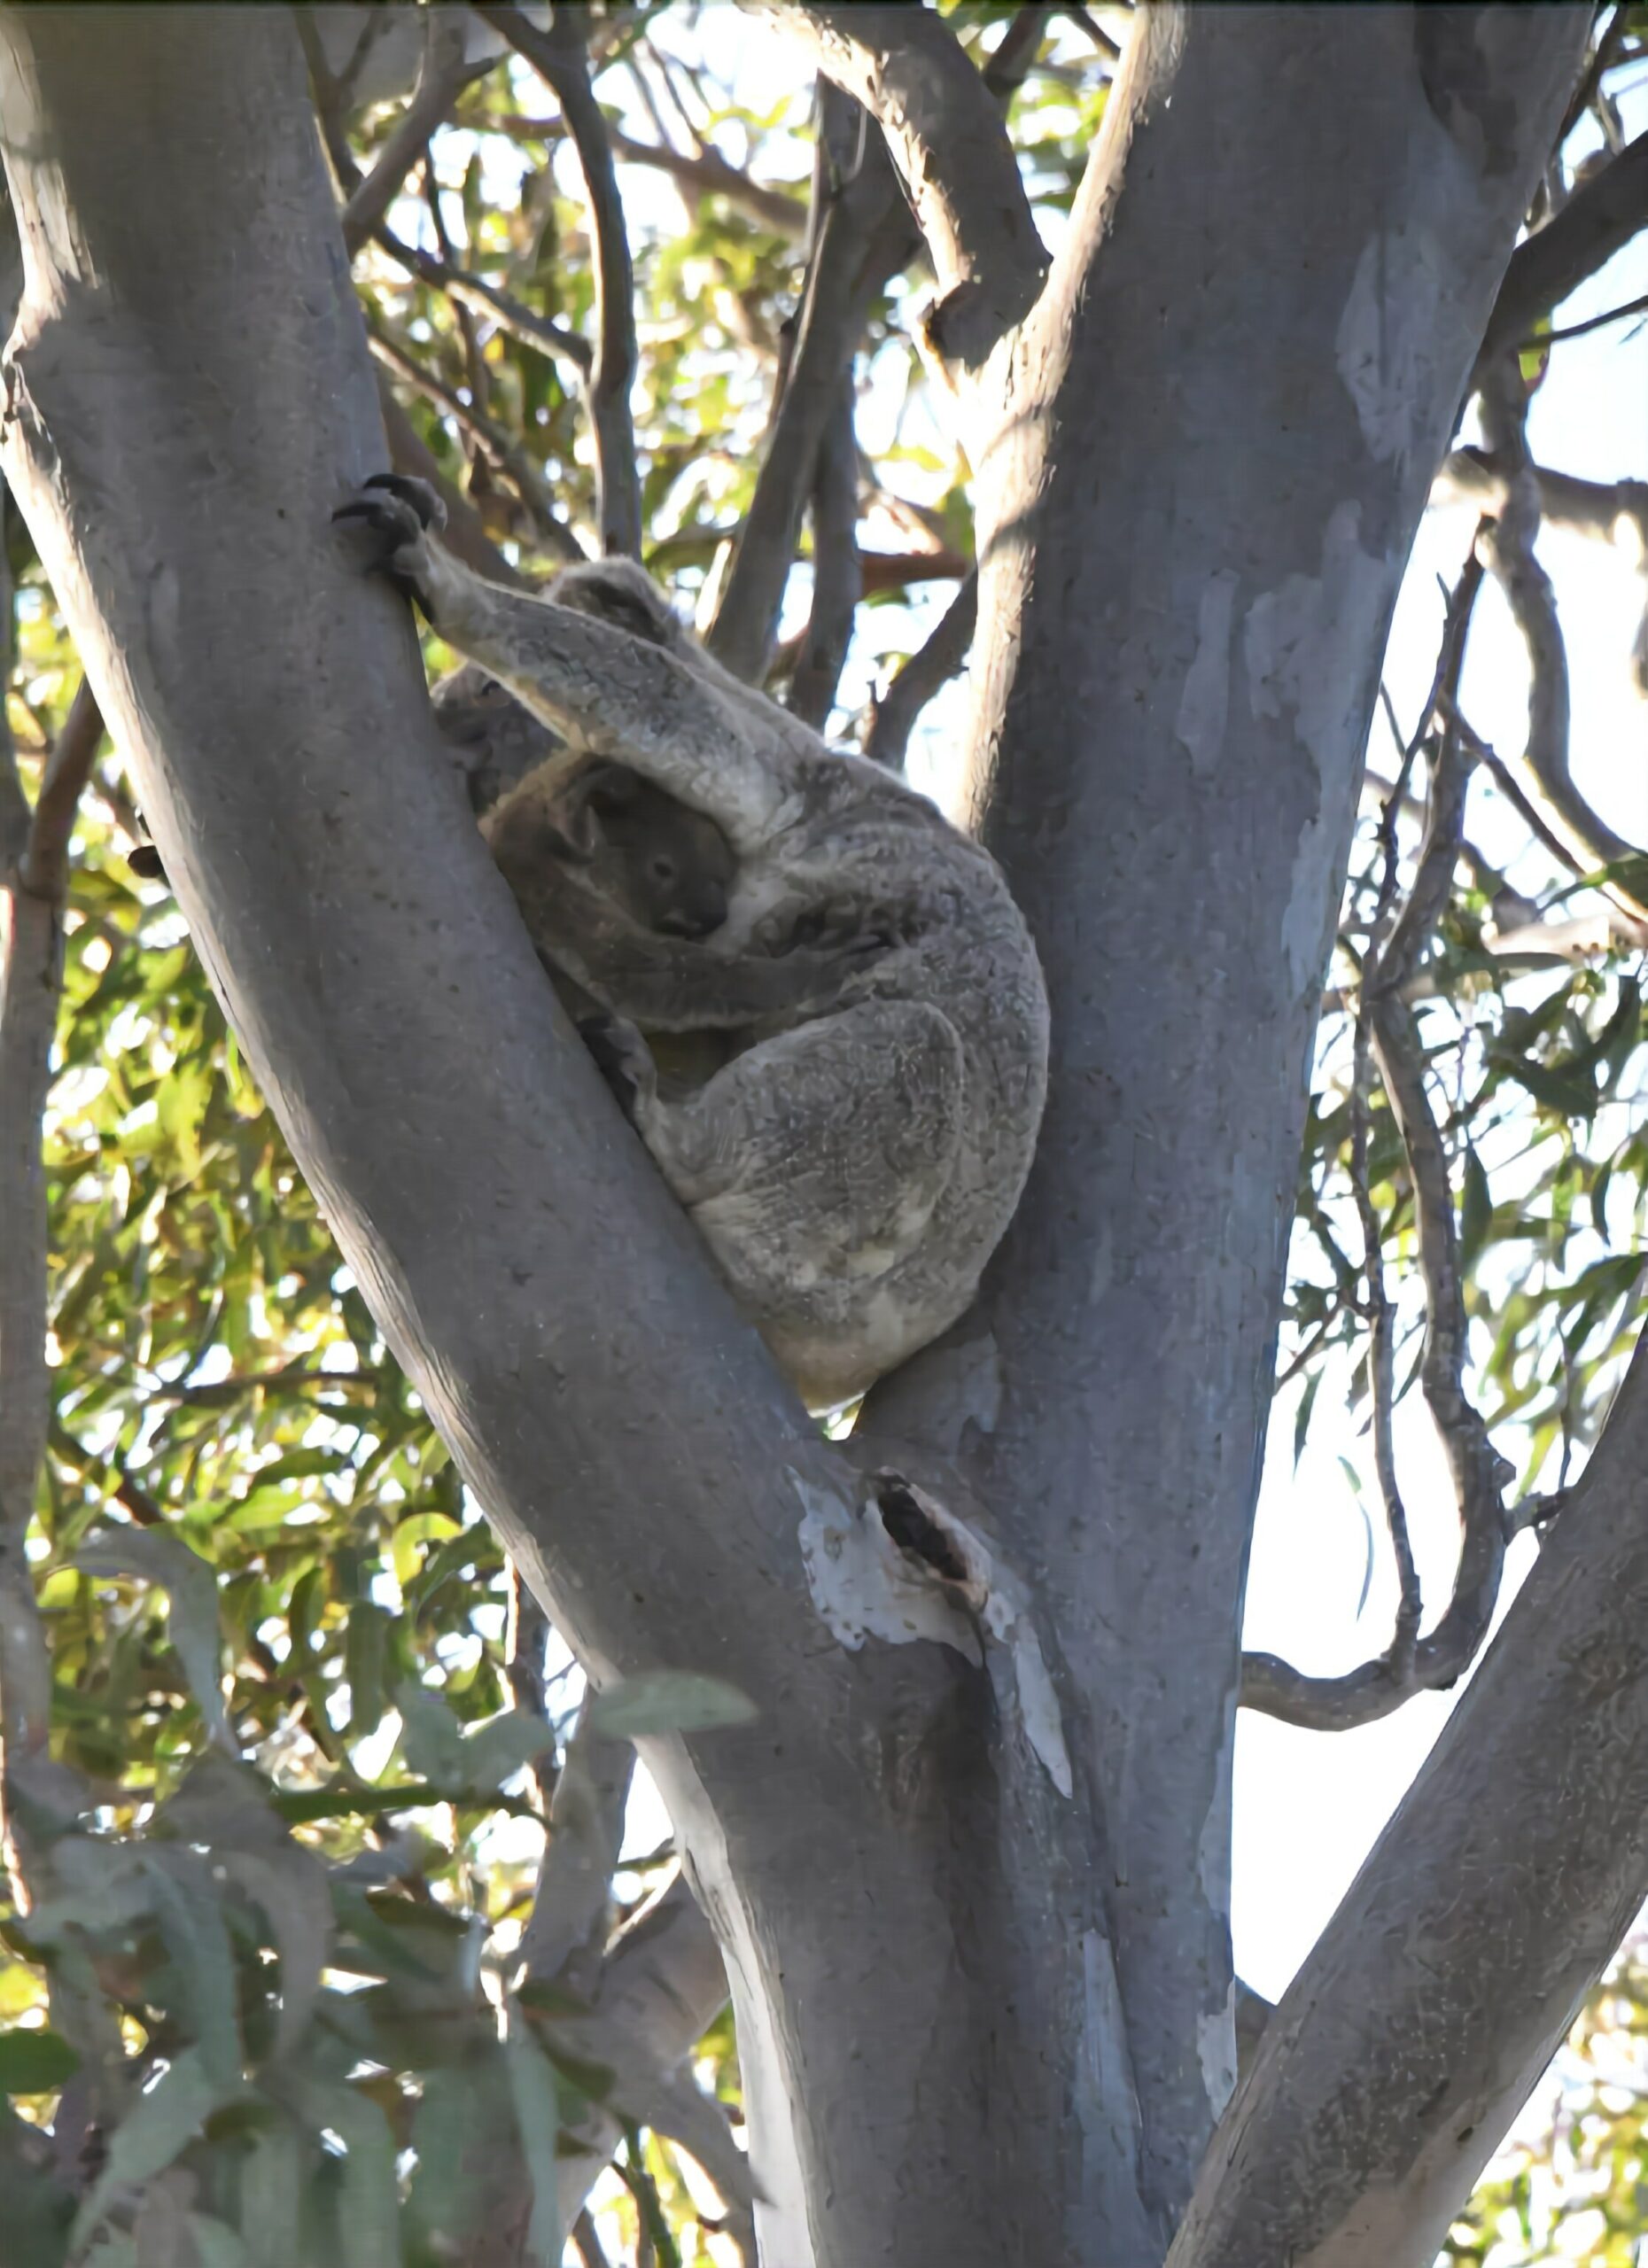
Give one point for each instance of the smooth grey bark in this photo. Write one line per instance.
(1214, 439)
(1224, 417)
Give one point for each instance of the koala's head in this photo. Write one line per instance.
(667, 868)
(670, 868)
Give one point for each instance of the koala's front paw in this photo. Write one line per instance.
(402, 514)
(623, 1058)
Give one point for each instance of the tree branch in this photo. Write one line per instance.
(1508, 548)
(457, 1136)
(837, 581)
(1594, 223)
(945, 652)
(510, 313)
(443, 74)
(558, 55)
(705, 172)
(44, 871)
(1388, 2073)
(863, 235)
(908, 70)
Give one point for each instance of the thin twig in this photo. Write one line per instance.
(558, 55)
(1479, 1474)
(1538, 338)
(510, 314)
(932, 665)
(502, 446)
(706, 174)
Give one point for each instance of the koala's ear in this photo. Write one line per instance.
(606, 788)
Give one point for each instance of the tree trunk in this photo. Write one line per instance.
(1217, 432)
(1221, 425)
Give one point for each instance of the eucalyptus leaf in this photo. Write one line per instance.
(668, 1701)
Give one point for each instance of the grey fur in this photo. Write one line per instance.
(855, 1164)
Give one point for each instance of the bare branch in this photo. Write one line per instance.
(1004, 71)
(1508, 548)
(510, 313)
(863, 235)
(937, 662)
(1386, 1019)
(1597, 220)
(837, 582)
(559, 57)
(45, 865)
(1595, 507)
(1094, 32)
(911, 73)
(706, 173)
(442, 77)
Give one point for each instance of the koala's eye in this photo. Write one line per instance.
(663, 869)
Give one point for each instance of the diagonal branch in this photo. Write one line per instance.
(443, 75)
(1594, 223)
(558, 55)
(510, 314)
(933, 666)
(947, 140)
(1508, 547)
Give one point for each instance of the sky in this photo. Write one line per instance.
(1308, 1807)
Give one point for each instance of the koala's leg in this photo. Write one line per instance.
(599, 686)
(818, 1154)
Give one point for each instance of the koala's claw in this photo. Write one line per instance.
(396, 503)
(401, 513)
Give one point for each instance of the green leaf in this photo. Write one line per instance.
(537, 2121)
(35, 2061)
(154, 1556)
(669, 1701)
(365, 1650)
(160, 2125)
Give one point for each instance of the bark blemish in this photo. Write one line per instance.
(1204, 705)
(1305, 645)
(1393, 326)
(901, 1566)
(1216, 2051)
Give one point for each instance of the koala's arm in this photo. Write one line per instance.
(669, 984)
(604, 688)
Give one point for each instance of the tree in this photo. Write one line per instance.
(977, 1944)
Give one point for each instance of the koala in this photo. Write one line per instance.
(855, 1163)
